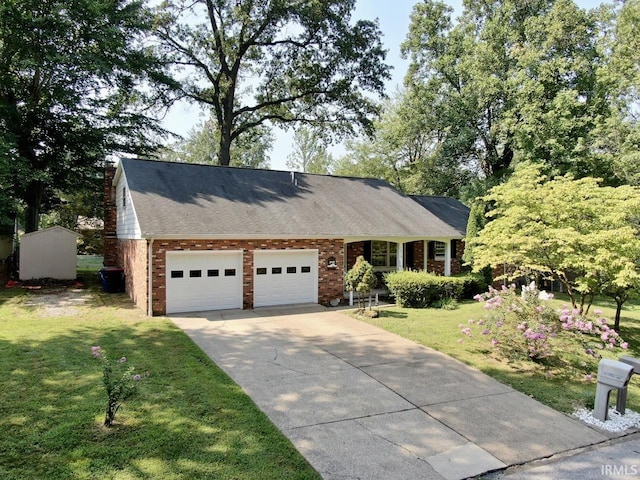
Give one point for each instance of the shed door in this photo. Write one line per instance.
(283, 277)
(198, 281)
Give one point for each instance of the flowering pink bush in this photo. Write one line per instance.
(525, 326)
(119, 385)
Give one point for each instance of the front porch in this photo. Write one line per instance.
(439, 256)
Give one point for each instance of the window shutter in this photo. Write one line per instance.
(454, 248)
(410, 256)
(367, 251)
(432, 250)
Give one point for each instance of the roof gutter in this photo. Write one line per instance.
(149, 277)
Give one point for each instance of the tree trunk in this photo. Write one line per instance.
(226, 127)
(33, 199)
(224, 157)
(616, 323)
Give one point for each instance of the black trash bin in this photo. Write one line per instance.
(112, 279)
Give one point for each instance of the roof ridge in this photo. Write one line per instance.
(233, 167)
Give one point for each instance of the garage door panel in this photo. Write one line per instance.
(285, 277)
(203, 281)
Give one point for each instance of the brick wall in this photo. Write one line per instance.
(110, 238)
(437, 266)
(330, 282)
(418, 256)
(133, 257)
(354, 250)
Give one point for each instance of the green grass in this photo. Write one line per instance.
(561, 387)
(89, 262)
(187, 421)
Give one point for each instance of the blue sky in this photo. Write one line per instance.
(393, 16)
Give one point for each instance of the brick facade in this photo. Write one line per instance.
(133, 257)
(437, 266)
(134, 254)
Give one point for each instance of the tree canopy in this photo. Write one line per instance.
(282, 62)
(505, 83)
(309, 153)
(510, 81)
(69, 78)
(201, 146)
(574, 231)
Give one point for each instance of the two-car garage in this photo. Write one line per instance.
(213, 280)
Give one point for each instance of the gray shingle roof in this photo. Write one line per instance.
(449, 210)
(178, 199)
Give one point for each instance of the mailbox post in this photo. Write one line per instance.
(611, 375)
(621, 402)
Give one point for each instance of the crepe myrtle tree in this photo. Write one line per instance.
(574, 231)
(275, 62)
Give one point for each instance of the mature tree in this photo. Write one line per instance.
(576, 232)
(476, 222)
(309, 153)
(283, 62)
(619, 137)
(69, 72)
(363, 159)
(510, 81)
(404, 153)
(201, 146)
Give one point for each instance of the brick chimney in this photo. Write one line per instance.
(110, 218)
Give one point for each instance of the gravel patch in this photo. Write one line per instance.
(615, 421)
(60, 303)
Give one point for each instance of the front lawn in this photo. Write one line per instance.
(187, 421)
(564, 389)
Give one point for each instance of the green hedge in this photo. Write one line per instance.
(420, 289)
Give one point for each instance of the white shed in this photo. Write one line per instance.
(49, 253)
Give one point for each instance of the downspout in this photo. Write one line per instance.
(150, 278)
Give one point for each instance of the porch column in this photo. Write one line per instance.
(425, 255)
(400, 256)
(447, 258)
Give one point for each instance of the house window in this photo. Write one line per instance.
(291, 269)
(213, 273)
(384, 254)
(439, 249)
(261, 271)
(305, 269)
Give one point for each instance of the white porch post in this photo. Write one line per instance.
(425, 256)
(447, 258)
(400, 256)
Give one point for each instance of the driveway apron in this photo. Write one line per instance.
(362, 403)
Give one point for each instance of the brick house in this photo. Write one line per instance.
(199, 237)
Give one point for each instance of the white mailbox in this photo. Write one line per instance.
(611, 375)
(621, 402)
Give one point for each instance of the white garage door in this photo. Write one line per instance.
(283, 277)
(198, 281)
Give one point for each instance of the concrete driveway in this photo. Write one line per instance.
(361, 403)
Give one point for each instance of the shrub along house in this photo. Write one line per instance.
(199, 237)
